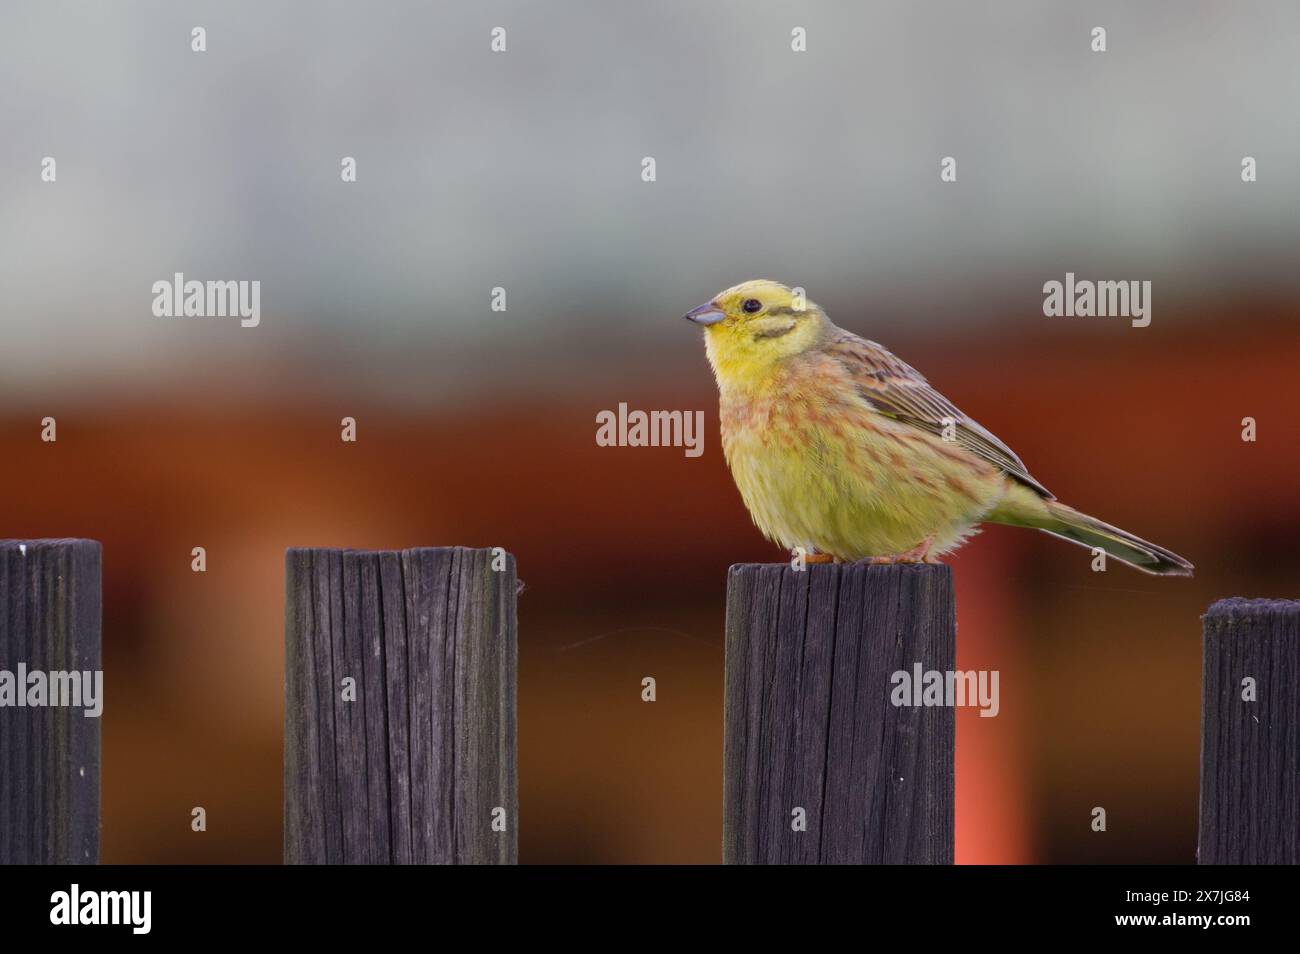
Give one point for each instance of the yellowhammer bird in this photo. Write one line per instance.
(842, 449)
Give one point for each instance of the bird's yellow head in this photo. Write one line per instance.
(751, 327)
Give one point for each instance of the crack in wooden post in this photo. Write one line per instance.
(1250, 734)
(809, 722)
(418, 766)
(50, 622)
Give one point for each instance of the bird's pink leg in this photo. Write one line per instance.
(919, 553)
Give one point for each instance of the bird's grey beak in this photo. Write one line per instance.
(707, 314)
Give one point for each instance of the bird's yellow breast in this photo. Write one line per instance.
(818, 468)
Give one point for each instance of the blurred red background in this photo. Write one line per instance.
(624, 552)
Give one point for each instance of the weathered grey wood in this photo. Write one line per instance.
(809, 722)
(413, 769)
(50, 614)
(1250, 750)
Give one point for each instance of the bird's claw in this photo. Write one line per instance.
(918, 554)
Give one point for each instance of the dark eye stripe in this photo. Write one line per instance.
(775, 332)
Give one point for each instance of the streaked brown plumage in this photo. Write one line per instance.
(841, 448)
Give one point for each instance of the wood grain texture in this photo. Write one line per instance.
(50, 617)
(1250, 751)
(809, 722)
(411, 771)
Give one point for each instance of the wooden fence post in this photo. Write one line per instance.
(1250, 734)
(413, 762)
(811, 733)
(49, 752)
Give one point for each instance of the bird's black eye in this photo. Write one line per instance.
(751, 305)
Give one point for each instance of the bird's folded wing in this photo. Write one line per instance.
(896, 389)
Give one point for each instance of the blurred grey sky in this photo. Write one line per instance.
(523, 170)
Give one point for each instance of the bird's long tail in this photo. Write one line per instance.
(1024, 508)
